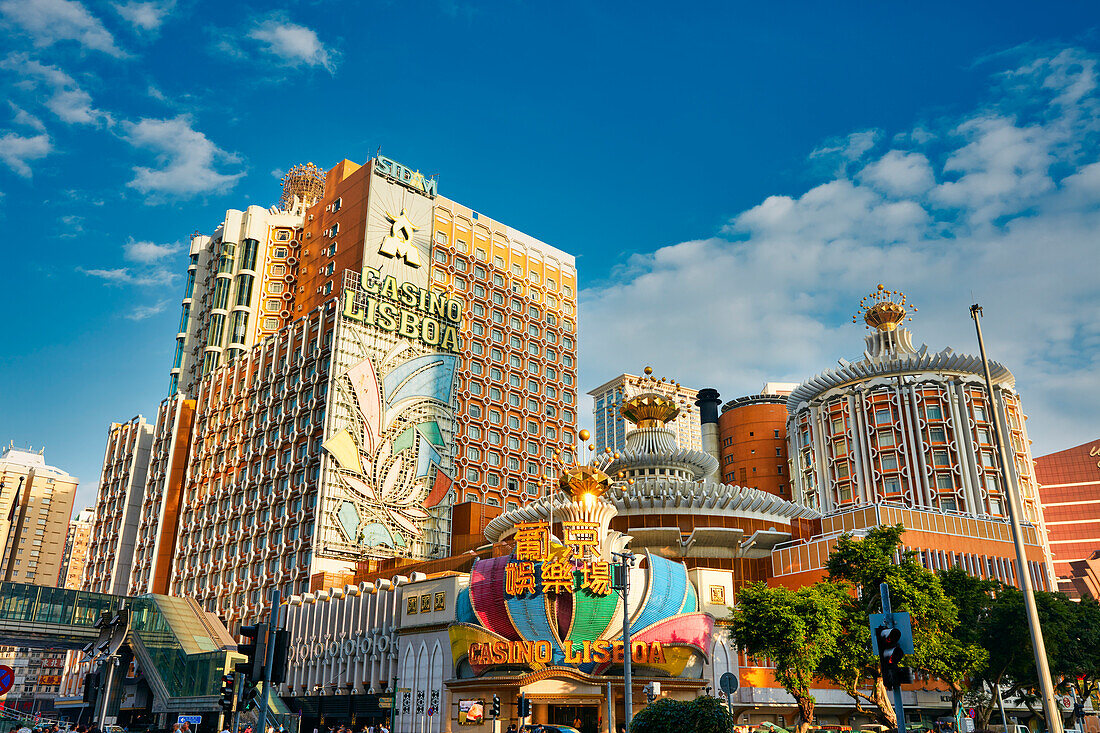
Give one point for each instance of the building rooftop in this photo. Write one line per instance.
(31, 459)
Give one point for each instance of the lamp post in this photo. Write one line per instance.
(626, 561)
(1050, 705)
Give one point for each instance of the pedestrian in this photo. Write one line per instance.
(225, 728)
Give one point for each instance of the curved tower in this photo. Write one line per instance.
(907, 427)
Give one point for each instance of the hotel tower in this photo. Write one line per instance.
(350, 364)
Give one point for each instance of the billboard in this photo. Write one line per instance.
(471, 712)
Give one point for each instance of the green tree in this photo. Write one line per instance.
(876, 558)
(974, 599)
(703, 714)
(794, 629)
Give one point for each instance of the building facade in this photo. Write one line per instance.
(426, 355)
(611, 427)
(38, 501)
(1069, 487)
(118, 503)
(752, 441)
(75, 556)
(906, 435)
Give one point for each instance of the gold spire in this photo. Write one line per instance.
(306, 181)
(884, 309)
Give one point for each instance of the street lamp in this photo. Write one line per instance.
(1050, 706)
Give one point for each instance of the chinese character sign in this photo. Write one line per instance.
(572, 566)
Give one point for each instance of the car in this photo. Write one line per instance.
(548, 728)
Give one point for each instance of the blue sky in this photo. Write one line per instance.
(732, 177)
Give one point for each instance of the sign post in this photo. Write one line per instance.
(728, 683)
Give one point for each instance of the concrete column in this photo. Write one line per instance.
(540, 713)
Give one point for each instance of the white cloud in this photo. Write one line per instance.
(50, 21)
(141, 312)
(294, 45)
(900, 174)
(187, 161)
(1001, 205)
(147, 277)
(148, 252)
(16, 150)
(145, 16)
(67, 100)
(23, 118)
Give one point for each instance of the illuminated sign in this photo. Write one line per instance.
(563, 570)
(414, 312)
(413, 179)
(598, 651)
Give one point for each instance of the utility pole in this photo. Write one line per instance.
(269, 656)
(1015, 506)
(626, 561)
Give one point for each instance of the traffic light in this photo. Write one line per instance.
(280, 644)
(524, 706)
(229, 691)
(251, 698)
(496, 707)
(890, 655)
(254, 651)
(91, 687)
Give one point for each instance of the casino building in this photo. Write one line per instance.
(901, 435)
(351, 364)
(905, 435)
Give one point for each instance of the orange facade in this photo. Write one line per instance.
(1069, 486)
(752, 440)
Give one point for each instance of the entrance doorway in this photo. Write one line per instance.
(587, 715)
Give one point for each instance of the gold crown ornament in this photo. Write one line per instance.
(884, 309)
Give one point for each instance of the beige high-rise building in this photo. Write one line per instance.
(76, 550)
(118, 505)
(36, 502)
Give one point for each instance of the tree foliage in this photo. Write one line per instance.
(703, 714)
(865, 562)
(794, 629)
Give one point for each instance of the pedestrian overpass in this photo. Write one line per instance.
(181, 650)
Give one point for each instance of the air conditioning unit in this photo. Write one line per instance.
(310, 219)
(309, 234)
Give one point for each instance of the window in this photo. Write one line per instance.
(944, 482)
(933, 412)
(472, 474)
(890, 462)
(979, 413)
(987, 459)
(940, 458)
(883, 417)
(886, 439)
(892, 485)
(938, 435)
(279, 252)
(840, 448)
(949, 504)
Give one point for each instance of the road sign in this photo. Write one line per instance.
(385, 701)
(728, 683)
(194, 720)
(968, 725)
(7, 678)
